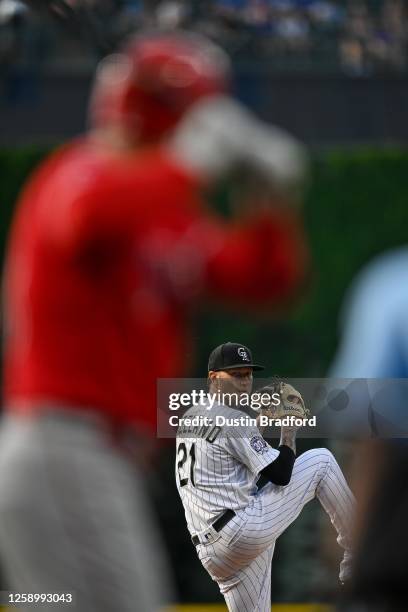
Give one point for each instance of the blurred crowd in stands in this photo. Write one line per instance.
(356, 37)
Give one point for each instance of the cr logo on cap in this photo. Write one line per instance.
(243, 354)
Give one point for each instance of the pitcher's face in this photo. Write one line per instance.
(235, 380)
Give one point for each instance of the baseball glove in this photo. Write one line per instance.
(291, 402)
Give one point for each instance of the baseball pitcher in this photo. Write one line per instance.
(240, 494)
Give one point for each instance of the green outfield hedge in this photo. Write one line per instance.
(357, 206)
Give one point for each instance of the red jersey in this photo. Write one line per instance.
(107, 256)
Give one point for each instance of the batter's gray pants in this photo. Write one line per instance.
(74, 517)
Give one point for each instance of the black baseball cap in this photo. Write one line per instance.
(231, 355)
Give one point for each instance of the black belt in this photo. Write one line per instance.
(221, 521)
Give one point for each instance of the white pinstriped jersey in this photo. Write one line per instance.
(217, 466)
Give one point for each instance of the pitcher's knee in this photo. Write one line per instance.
(325, 453)
(322, 455)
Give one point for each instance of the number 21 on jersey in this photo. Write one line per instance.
(185, 457)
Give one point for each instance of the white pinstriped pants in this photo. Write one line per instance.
(240, 560)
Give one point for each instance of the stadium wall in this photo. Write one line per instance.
(322, 110)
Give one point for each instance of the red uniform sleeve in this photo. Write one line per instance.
(260, 261)
(257, 261)
(88, 200)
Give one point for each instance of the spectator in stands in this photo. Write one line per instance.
(351, 54)
(24, 45)
(172, 14)
(325, 14)
(395, 28)
(293, 29)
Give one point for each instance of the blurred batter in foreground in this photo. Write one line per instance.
(111, 249)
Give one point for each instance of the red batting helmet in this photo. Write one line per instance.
(149, 85)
